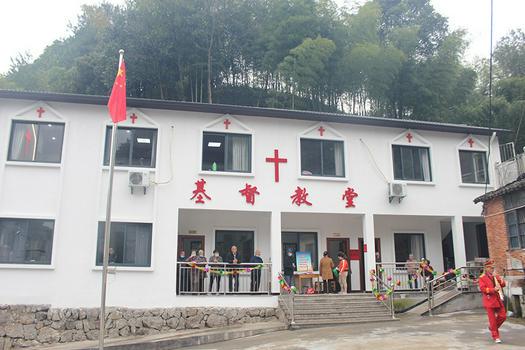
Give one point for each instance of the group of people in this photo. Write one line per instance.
(191, 278)
(416, 269)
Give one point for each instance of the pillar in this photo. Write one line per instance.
(458, 239)
(275, 248)
(369, 243)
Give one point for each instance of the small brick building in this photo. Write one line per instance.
(504, 212)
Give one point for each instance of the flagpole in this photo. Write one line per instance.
(107, 231)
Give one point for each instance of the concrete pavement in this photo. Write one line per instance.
(462, 330)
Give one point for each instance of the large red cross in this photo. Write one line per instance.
(276, 160)
(227, 123)
(409, 137)
(470, 141)
(40, 111)
(133, 118)
(321, 130)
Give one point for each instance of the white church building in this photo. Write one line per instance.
(184, 179)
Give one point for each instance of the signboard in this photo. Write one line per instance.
(355, 254)
(303, 261)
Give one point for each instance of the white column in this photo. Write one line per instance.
(369, 243)
(275, 249)
(458, 239)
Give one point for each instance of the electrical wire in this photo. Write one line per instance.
(171, 161)
(490, 91)
(373, 160)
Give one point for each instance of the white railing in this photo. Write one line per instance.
(287, 298)
(509, 170)
(223, 278)
(409, 277)
(507, 151)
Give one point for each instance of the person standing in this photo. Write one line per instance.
(326, 266)
(289, 267)
(343, 272)
(234, 260)
(214, 261)
(255, 281)
(412, 266)
(490, 286)
(183, 278)
(201, 262)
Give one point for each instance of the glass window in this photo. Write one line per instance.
(135, 147)
(36, 142)
(473, 167)
(244, 240)
(301, 242)
(130, 244)
(516, 228)
(26, 241)
(226, 152)
(409, 243)
(411, 163)
(322, 158)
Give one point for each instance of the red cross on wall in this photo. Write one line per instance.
(227, 123)
(321, 130)
(470, 142)
(133, 118)
(409, 137)
(276, 160)
(40, 111)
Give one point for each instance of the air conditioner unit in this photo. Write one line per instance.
(138, 179)
(397, 190)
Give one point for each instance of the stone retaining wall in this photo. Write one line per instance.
(31, 325)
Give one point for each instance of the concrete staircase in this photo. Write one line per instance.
(332, 309)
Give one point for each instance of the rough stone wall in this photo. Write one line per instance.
(31, 325)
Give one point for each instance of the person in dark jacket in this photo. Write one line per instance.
(214, 262)
(183, 277)
(234, 259)
(289, 267)
(255, 281)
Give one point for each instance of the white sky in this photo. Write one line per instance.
(31, 25)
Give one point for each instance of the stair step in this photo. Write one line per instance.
(312, 323)
(338, 311)
(349, 303)
(339, 315)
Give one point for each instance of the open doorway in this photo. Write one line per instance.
(362, 260)
(333, 247)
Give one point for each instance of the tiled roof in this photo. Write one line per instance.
(509, 188)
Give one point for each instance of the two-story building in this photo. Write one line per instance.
(185, 178)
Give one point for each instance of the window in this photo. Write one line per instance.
(322, 158)
(473, 167)
(135, 147)
(36, 142)
(409, 243)
(226, 152)
(411, 163)
(515, 219)
(130, 244)
(301, 242)
(244, 240)
(26, 241)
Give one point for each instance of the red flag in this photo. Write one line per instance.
(117, 99)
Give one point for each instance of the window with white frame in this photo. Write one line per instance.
(322, 158)
(473, 167)
(409, 243)
(130, 244)
(411, 163)
(135, 147)
(36, 141)
(227, 152)
(26, 241)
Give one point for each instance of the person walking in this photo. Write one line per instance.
(234, 260)
(255, 281)
(326, 266)
(289, 268)
(490, 286)
(343, 269)
(215, 262)
(411, 266)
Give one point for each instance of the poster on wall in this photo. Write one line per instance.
(303, 261)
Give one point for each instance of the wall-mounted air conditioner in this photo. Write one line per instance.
(138, 179)
(397, 190)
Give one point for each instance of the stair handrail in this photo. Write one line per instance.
(462, 280)
(389, 288)
(287, 297)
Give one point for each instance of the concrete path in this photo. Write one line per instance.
(461, 331)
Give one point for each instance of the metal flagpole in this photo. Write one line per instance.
(107, 231)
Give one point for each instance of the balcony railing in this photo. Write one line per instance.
(223, 278)
(509, 170)
(410, 277)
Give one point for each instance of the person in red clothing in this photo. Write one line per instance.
(343, 272)
(490, 286)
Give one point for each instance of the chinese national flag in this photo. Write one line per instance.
(117, 99)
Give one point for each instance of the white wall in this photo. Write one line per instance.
(74, 192)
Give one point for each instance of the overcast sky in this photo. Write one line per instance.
(31, 25)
